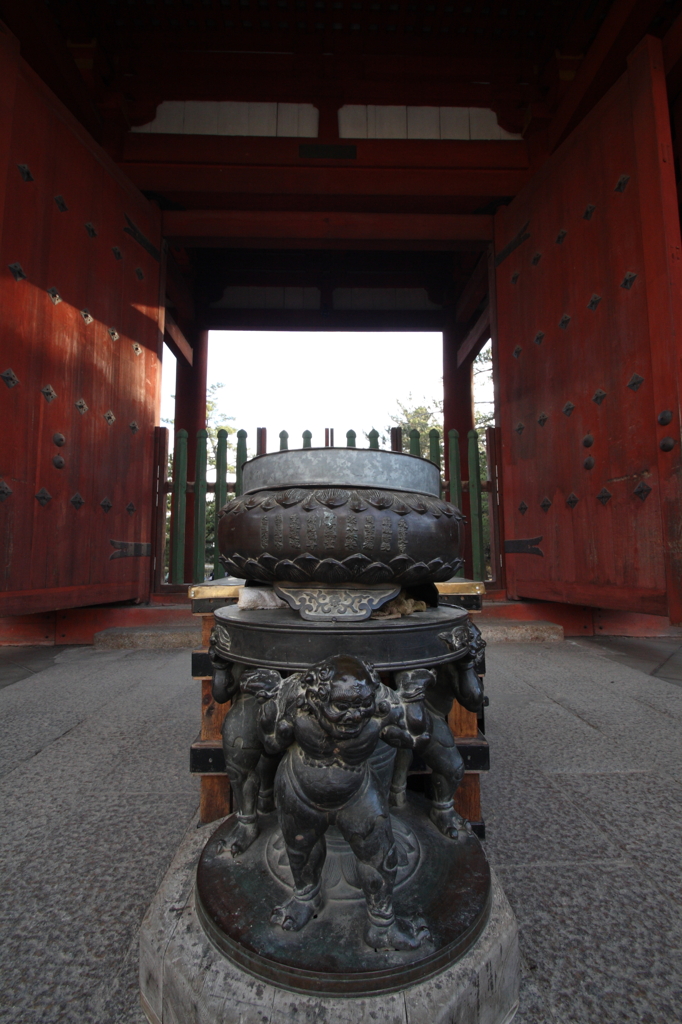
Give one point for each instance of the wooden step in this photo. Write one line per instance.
(518, 630)
(149, 638)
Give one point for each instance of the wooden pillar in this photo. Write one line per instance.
(464, 725)
(215, 799)
(328, 125)
(458, 414)
(190, 415)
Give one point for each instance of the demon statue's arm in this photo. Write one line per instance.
(225, 682)
(249, 765)
(455, 680)
(278, 699)
(407, 721)
(461, 678)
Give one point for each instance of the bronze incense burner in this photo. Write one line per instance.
(331, 876)
(341, 515)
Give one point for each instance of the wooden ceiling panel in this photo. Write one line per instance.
(476, 53)
(508, 55)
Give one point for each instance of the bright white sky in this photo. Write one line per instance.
(296, 381)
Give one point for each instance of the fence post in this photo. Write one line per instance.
(477, 554)
(350, 439)
(307, 437)
(283, 441)
(199, 549)
(415, 448)
(396, 439)
(374, 439)
(454, 467)
(179, 511)
(434, 446)
(241, 459)
(220, 497)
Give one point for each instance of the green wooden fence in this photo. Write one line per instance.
(208, 495)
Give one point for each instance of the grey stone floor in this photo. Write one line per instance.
(18, 662)
(94, 798)
(583, 810)
(659, 656)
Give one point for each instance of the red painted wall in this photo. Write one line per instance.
(99, 246)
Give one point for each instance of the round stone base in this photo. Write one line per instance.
(441, 883)
(184, 979)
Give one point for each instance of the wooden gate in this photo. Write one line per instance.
(588, 360)
(80, 266)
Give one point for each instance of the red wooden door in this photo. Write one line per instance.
(79, 347)
(588, 360)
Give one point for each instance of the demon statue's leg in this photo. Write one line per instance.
(267, 768)
(243, 749)
(303, 828)
(401, 766)
(365, 824)
(445, 762)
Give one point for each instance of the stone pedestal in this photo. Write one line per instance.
(184, 979)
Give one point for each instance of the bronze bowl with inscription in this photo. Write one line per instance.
(339, 516)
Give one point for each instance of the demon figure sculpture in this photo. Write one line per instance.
(327, 722)
(250, 769)
(455, 680)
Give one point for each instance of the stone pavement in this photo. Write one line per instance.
(582, 805)
(95, 796)
(583, 809)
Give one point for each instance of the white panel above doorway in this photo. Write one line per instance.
(230, 117)
(357, 121)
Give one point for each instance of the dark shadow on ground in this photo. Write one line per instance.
(19, 662)
(656, 656)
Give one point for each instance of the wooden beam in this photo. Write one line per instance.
(23, 602)
(474, 291)
(221, 150)
(309, 274)
(176, 341)
(605, 61)
(324, 320)
(319, 180)
(43, 49)
(458, 414)
(618, 598)
(475, 339)
(194, 66)
(672, 57)
(179, 225)
(178, 293)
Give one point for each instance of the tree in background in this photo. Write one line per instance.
(429, 415)
(215, 421)
(423, 418)
(410, 417)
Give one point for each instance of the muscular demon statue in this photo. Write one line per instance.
(455, 680)
(328, 721)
